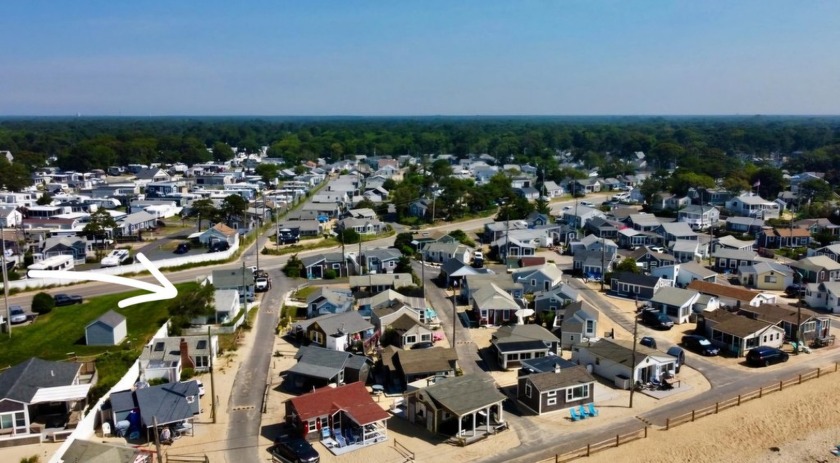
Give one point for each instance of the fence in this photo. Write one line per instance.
(35, 283)
(589, 449)
(741, 398)
(186, 458)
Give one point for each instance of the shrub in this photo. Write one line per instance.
(187, 373)
(158, 381)
(42, 303)
(329, 274)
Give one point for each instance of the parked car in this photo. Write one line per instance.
(648, 341)
(295, 451)
(587, 204)
(700, 345)
(217, 246)
(676, 351)
(67, 299)
(422, 345)
(116, 258)
(766, 356)
(656, 319)
(201, 390)
(287, 236)
(795, 291)
(17, 314)
(262, 284)
(182, 248)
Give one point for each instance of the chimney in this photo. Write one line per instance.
(186, 361)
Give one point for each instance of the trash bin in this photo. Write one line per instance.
(622, 382)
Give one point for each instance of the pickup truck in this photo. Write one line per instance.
(116, 258)
(67, 299)
(262, 284)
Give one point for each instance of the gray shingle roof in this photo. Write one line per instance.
(110, 318)
(318, 362)
(566, 377)
(464, 394)
(169, 402)
(22, 381)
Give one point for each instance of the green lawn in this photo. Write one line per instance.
(62, 331)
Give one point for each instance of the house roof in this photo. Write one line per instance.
(224, 229)
(494, 297)
(547, 363)
(353, 399)
(551, 271)
(621, 351)
(464, 394)
(426, 360)
(740, 326)
(673, 296)
(109, 318)
(732, 242)
(776, 313)
(640, 279)
(715, 289)
(168, 349)
(739, 254)
(697, 269)
(319, 362)
(345, 322)
(518, 334)
(791, 232)
(816, 263)
(398, 280)
(232, 278)
(763, 267)
(22, 381)
(169, 403)
(404, 323)
(565, 378)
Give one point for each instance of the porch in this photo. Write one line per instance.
(346, 435)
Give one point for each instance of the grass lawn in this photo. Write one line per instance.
(304, 292)
(53, 336)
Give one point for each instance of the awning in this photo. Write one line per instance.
(194, 235)
(61, 394)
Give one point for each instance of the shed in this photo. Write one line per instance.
(108, 330)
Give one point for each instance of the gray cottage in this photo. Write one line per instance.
(108, 330)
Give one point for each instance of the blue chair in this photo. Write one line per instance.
(582, 411)
(574, 415)
(592, 410)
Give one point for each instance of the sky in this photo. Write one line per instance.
(518, 57)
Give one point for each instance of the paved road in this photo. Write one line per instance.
(245, 405)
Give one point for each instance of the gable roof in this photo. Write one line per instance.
(715, 289)
(168, 402)
(319, 362)
(420, 361)
(816, 263)
(621, 351)
(224, 229)
(22, 381)
(777, 313)
(566, 377)
(351, 398)
(342, 323)
(464, 394)
(740, 326)
(673, 296)
(636, 279)
(109, 318)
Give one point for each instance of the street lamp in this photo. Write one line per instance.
(799, 303)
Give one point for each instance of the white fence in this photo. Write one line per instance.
(133, 268)
(86, 427)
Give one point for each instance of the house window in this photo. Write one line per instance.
(809, 327)
(752, 342)
(426, 337)
(769, 279)
(316, 337)
(201, 361)
(410, 339)
(336, 266)
(551, 393)
(528, 390)
(577, 393)
(6, 421)
(590, 327)
(525, 356)
(551, 401)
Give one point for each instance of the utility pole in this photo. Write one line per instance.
(212, 382)
(633, 358)
(5, 281)
(157, 438)
(423, 273)
(507, 236)
(454, 316)
(244, 291)
(259, 231)
(603, 262)
(799, 312)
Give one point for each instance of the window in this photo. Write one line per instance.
(551, 401)
(809, 327)
(525, 356)
(426, 337)
(528, 390)
(20, 420)
(202, 361)
(590, 327)
(410, 339)
(769, 278)
(551, 393)
(6, 421)
(577, 393)
(316, 337)
(336, 266)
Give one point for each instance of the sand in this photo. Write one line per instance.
(801, 421)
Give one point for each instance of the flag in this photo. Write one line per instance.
(757, 183)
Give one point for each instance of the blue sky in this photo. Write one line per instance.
(521, 57)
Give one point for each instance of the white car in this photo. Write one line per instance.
(200, 388)
(478, 255)
(587, 204)
(116, 258)
(17, 314)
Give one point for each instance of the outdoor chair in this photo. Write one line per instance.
(583, 412)
(574, 415)
(592, 410)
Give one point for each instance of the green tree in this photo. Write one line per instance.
(815, 190)
(45, 199)
(403, 265)
(542, 206)
(100, 224)
(770, 182)
(43, 303)
(350, 236)
(14, 176)
(293, 267)
(222, 152)
(233, 206)
(190, 304)
(203, 209)
(403, 242)
(267, 171)
(627, 265)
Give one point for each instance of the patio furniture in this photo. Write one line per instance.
(592, 410)
(574, 414)
(583, 412)
(340, 439)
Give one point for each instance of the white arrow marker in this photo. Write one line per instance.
(158, 293)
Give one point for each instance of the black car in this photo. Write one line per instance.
(795, 291)
(766, 356)
(182, 248)
(423, 345)
(700, 345)
(287, 236)
(648, 341)
(67, 299)
(656, 319)
(294, 451)
(218, 246)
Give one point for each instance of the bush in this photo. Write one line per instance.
(42, 303)
(329, 274)
(158, 381)
(187, 373)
